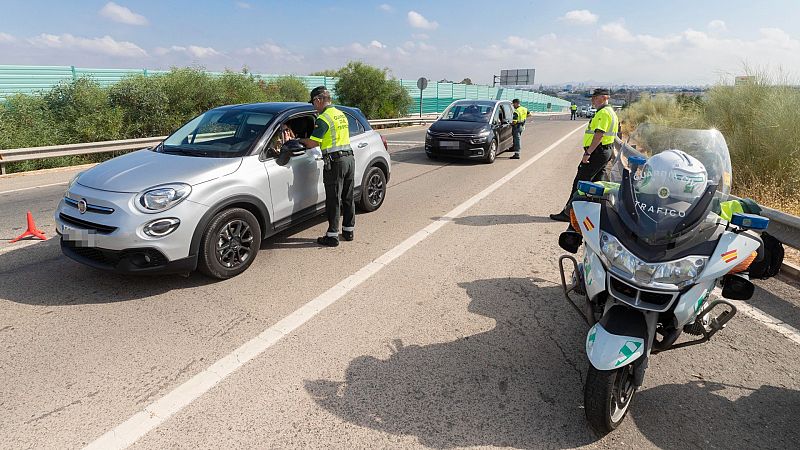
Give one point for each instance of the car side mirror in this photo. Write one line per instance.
(293, 147)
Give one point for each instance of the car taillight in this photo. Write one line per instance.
(385, 144)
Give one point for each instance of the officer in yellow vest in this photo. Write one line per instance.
(332, 136)
(597, 146)
(573, 110)
(518, 125)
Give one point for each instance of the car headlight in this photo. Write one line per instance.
(678, 273)
(162, 198)
(481, 137)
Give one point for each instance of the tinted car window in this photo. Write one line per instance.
(468, 111)
(507, 110)
(354, 125)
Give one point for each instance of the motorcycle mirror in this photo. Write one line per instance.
(737, 288)
(570, 241)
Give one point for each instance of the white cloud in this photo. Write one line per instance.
(376, 44)
(105, 45)
(580, 17)
(617, 31)
(717, 26)
(272, 51)
(194, 51)
(5, 37)
(386, 8)
(122, 14)
(417, 20)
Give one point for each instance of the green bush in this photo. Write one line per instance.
(286, 89)
(370, 89)
(82, 113)
(144, 106)
(235, 88)
(25, 121)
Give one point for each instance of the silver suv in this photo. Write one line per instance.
(207, 196)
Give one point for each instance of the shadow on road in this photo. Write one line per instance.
(676, 416)
(499, 219)
(40, 274)
(774, 303)
(519, 384)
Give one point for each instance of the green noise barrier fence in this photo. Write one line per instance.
(435, 98)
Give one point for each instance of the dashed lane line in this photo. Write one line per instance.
(156, 413)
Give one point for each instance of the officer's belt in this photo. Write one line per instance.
(338, 154)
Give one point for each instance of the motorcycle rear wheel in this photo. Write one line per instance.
(607, 396)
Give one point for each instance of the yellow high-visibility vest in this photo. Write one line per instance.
(337, 138)
(522, 114)
(605, 119)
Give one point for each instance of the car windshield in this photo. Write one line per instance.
(669, 181)
(468, 112)
(223, 133)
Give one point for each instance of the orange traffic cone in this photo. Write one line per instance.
(32, 231)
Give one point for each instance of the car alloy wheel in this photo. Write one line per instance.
(374, 190)
(234, 244)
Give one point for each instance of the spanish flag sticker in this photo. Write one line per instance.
(729, 256)
(588, 224)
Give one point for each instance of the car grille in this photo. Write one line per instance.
(640, 298)
(446, 135)
(110, 258)
(86, 225)
(89, 207)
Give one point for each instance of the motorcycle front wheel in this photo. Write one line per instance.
(607, 396)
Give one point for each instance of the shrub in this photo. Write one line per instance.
(370, 89)
(235, 88)
(189, 92)
(286, 89)
(25, 121)
(82, 113)
(143, 104)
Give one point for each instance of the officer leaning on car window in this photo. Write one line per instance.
(332, 136)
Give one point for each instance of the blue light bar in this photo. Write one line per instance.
(590, 188)
(750, 221)
(637, 160)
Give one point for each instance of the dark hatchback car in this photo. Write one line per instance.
(474, 129)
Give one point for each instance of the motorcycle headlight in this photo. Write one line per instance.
(676, 273)
(162, 198)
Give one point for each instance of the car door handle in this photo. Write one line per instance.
(362, 145)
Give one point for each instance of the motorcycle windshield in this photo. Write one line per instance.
(670, 181)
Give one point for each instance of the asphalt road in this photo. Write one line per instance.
(462, 340)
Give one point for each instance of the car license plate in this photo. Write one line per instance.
(449, 144)
(84, 237)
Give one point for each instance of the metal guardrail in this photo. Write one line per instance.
(784, 227)
(31, 153)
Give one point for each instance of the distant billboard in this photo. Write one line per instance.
(517, 77)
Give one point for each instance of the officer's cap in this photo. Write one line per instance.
(600, 91)
(516, 100)
(319, 90)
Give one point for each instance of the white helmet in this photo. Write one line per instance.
(673, 174)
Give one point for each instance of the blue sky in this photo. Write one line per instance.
(674, 42)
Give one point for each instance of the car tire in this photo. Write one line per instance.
(491, 154)
(229, 244)
(431, 156)
(373, 190)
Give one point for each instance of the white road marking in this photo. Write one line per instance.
(156, 413)
(34, 187)
(788, 331)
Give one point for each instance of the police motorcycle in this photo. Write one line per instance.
(659, 237)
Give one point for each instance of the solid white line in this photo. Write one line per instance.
(788, 331)
(156, 413)
(770, 322)
(33, 187)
